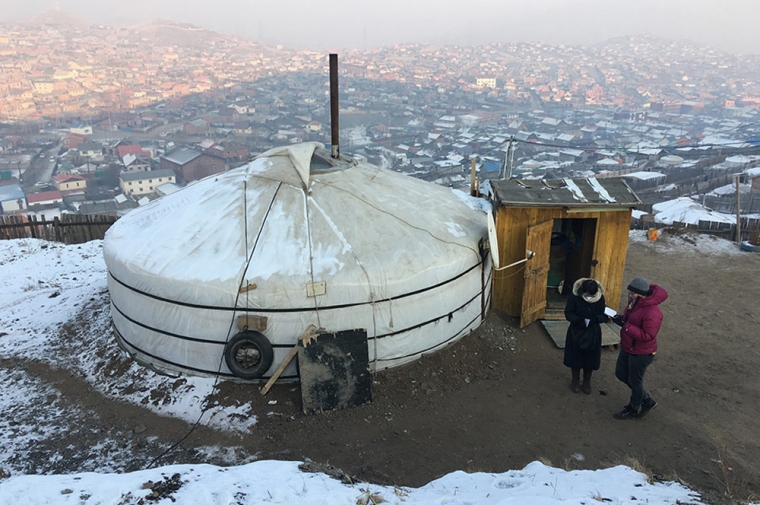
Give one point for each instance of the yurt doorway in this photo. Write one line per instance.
(570, 258)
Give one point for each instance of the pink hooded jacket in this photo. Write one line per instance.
(642, 323)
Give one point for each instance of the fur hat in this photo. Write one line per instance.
(578, 289)
(640, 286)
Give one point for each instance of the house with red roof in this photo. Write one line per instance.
(134, 149)
(73, 140)
(44, 198)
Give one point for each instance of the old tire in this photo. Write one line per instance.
(248, 355)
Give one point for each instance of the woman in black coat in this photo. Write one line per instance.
(583, 342)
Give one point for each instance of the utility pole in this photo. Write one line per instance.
(738, 215)
(473, 192)
(508, 160)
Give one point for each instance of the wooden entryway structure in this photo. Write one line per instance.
(574, 228)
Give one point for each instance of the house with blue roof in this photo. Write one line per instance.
(12, 199)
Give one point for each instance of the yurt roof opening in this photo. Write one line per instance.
(251, 257)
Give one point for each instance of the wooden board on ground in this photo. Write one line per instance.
(558, 329)
(292, 354)
(334, 370)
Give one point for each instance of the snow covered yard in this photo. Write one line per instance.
(54, 312)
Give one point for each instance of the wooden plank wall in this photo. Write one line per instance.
(507, 285)
(610, 249)
(69, 228)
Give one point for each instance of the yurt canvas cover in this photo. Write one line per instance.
(295, 238)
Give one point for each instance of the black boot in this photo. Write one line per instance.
(575, 384)
(647, 405)
(586, 388)
(626, 414)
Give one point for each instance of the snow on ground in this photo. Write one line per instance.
(35, 416)
(33, 412)
(283, 482)
(54, 310)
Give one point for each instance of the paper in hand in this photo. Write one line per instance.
(609, 312)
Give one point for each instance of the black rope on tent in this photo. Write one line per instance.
(298, 309)
(311, 251)
(124, 343)
(232, 321)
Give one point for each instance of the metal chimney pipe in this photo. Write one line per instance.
(334, 108)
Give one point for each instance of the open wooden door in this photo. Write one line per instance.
(536, 272)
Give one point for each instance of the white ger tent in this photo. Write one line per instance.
(295, 238)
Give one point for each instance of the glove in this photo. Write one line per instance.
(618, 320)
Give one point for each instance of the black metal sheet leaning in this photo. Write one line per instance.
(334, 370)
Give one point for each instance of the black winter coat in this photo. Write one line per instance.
(583, 344)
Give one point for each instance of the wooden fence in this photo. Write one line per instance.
(69, 228)
(750, 228)
(748, 203)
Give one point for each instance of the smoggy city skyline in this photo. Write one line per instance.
(343, 24)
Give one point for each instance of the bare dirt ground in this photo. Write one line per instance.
(500, 399)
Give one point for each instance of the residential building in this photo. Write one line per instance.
(134, 149)
(134, 163)
(90, 149)
(145, 183)
(195, 127)
(486, 82)
(190, 165)
(83, 130)
(69, 182)
(12, 198)
(314, 126)
(230, 151)
(73, 140)
(44, 198)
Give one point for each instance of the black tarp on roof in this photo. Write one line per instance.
(583, 192)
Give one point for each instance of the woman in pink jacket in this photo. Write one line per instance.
(640, 323)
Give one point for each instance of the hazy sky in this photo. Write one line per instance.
(730, 25)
